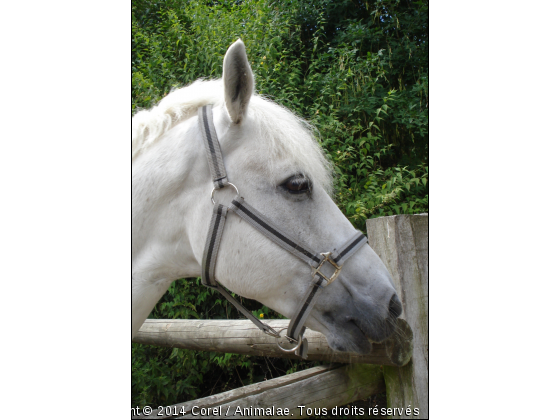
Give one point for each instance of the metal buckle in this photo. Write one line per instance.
(337, 268)
(229, 184)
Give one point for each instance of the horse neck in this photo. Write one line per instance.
(165, 187)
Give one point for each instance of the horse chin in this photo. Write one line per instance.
(349, 339)
(356, 335)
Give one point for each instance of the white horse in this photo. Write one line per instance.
(275, 162)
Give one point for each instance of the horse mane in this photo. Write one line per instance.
(148, 126)
(287, 134)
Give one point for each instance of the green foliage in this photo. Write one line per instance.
(164, 376)
(357, 70)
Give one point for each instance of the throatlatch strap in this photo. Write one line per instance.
(213, 151)
(262, 326)
(272, 232)
(213, 239)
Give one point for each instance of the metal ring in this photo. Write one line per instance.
(300, 341)
(226, 185)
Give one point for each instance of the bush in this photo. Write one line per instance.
(164, 376)
(357, 70)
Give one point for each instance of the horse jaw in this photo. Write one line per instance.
(360, 306)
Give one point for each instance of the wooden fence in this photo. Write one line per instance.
(317, 388)
(399, 366)
(243, 337)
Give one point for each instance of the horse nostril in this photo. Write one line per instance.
(395, 307)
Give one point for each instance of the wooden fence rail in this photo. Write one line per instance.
(319, 388)
(243, 337)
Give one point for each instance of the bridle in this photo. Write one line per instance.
(325, 266)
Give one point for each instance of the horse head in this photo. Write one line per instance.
(273, 159)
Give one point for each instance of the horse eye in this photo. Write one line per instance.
(297, 185)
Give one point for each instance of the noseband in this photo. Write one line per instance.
(325, 267)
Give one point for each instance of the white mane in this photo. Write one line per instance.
(288, 135)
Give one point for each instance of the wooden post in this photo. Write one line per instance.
(402, 244)
(321, 388)
(243, 337)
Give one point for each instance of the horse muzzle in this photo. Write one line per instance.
(353, 327)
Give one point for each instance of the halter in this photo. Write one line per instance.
(325, 266)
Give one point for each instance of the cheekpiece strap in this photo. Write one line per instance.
(212, 145)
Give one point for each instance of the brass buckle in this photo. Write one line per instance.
(337, 268)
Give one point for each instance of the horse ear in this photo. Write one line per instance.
(238, 81)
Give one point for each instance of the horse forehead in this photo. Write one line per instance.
(259, 162)
(252, 149)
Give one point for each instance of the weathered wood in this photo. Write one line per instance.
(242, 337)
(402, 244)
(323, 387)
